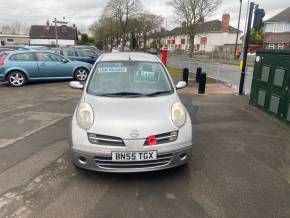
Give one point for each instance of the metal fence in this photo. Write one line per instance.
(214, 57)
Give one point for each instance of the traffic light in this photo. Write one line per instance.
(258, 20)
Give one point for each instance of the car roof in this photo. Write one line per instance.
(29, 51)
(126, 56)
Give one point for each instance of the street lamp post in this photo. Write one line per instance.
(238, 31)
(55, 21)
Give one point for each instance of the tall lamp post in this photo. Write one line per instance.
(238, 32)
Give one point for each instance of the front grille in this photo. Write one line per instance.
(106, 162)
(164, 138)
(105, 140)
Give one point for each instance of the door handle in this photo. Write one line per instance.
(42, 64)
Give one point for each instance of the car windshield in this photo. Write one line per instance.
(129, 78)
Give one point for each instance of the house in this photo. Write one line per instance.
(211, 36)
(45, 35)
(13, 39)
(277, 31)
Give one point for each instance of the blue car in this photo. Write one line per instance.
(20, 67)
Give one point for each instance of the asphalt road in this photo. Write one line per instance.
(224, 72)
(232, 173)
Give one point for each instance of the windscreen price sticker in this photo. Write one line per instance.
(147, 76)
(112, 70)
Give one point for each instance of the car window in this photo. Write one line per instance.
(68, 53)
(133, 77)
(57, 51)
(48, 57)
(83, 53)
(22, 57)
(91, 52)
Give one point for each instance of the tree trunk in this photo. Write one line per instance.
(191, 39)
(144, 40)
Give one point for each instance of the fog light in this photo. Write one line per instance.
(183, 156)
(82, 160)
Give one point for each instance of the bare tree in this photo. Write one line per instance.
(193, 12)
(149, 23)
(15, 28)
(6, 29)
(122, 11)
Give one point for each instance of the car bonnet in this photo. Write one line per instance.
(115, 116)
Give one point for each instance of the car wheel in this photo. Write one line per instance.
(81, 74)
(16, 78)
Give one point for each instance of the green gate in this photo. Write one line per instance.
(271, 83)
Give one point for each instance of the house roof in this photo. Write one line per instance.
(277, 38)
(282, 16)
(48, 32)
(206, 27)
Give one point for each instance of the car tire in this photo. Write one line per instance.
(81, 74)
(16, 78)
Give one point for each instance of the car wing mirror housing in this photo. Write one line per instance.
(76, 85)
(64, 60)
(181, 85)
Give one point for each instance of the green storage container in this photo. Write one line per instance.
(271, 83)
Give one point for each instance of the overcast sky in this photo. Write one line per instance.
(85, 12)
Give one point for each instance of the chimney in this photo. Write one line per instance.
(226, 23)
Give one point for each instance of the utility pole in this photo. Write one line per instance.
(55, 21)
(238, 32)
(245, 53)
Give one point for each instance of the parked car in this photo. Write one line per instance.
(153, 51)
(15, 47)
(130, 118)
(88, 47)
(5, 49)
(20, 67)
(84, 55)
(116, 49)
(36, 47)
(119, 49)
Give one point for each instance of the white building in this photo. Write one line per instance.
(277, 31)
(13, 39)
(45, 35)
(211, 35)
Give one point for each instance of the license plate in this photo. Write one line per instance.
(134, 156)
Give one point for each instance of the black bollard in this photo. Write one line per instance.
(202, 83)
(185, 75)
(198, 73)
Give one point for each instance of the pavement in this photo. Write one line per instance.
(224, 72)
(240, 165)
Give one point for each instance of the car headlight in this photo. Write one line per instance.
(178, 114)
(85, 116)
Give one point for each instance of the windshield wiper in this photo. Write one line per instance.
(158, 93)
(122, 94)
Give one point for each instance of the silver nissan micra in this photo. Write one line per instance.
(130, 118)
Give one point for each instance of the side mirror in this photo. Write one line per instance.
(76, 85)
(181, 85)
(64, 60)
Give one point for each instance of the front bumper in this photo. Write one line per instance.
(99, 158)
(96, 162)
